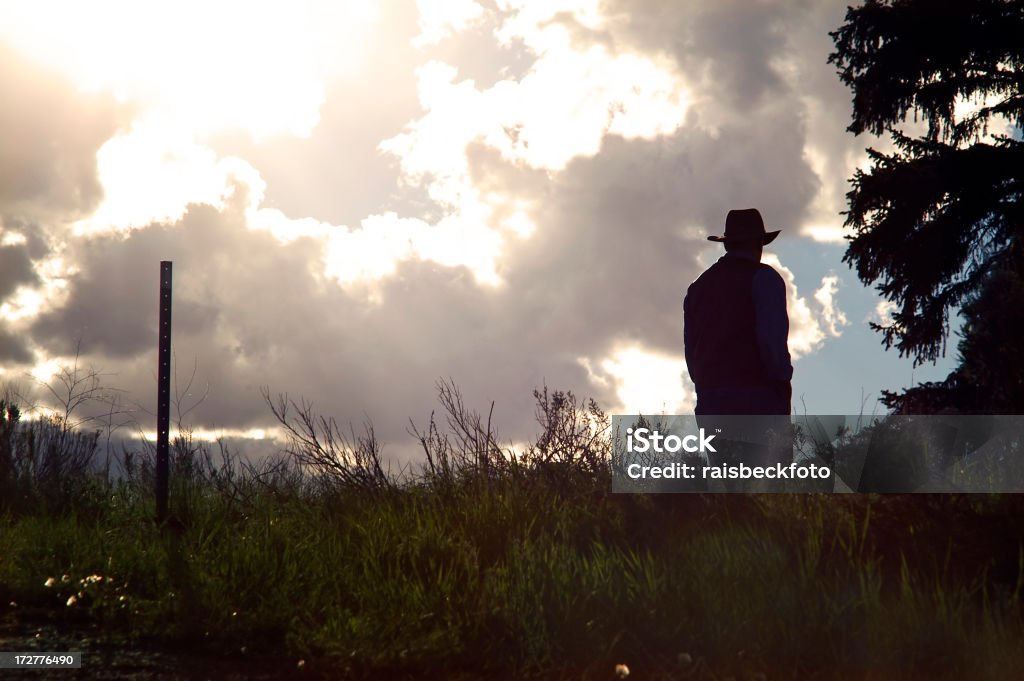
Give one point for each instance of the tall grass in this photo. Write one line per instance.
(483, 564)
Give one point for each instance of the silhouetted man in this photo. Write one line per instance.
(735, 335)
(735, 326)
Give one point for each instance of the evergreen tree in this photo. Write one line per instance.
(939, 222)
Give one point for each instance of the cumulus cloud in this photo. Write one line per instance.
(376, 230)
(13, 348)
(269, 318)
(48, 179)
(152, 172)
(440, 18)
(832, 317)
(258, 67)
(884, 310)
(745, 53)
(15, 269)
(51, 134)
(811, 322)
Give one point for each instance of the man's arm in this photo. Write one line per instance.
(772, 322)
(689, 337)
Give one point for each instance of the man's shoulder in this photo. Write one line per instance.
(705, 275)
(727, 267)
(766, 272)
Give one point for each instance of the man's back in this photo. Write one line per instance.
(720, 335)
(735, 337)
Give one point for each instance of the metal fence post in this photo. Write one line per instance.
(163, 392)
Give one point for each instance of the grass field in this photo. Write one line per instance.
(485, 566)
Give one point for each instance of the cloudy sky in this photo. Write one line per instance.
(363, 198)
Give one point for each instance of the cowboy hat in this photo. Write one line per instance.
(745, 225)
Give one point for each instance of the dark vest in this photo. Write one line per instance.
(722, 329)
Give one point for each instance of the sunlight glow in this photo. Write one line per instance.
(26, 303)
(520, 223)
(192, 70)
(22, 304)
(213, 435)
(11, 238)
(187, 71)
(559, 111)
(825, 225)
(998, 125)
(45, 370)
(152, 172)
(563, 108)
(825, 233)
(440, 18)
(645, 382)
(230, 65)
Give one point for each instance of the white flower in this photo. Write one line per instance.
(72, 600)
(50, 582)
(621, 671)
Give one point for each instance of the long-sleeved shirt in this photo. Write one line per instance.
(771, 321)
